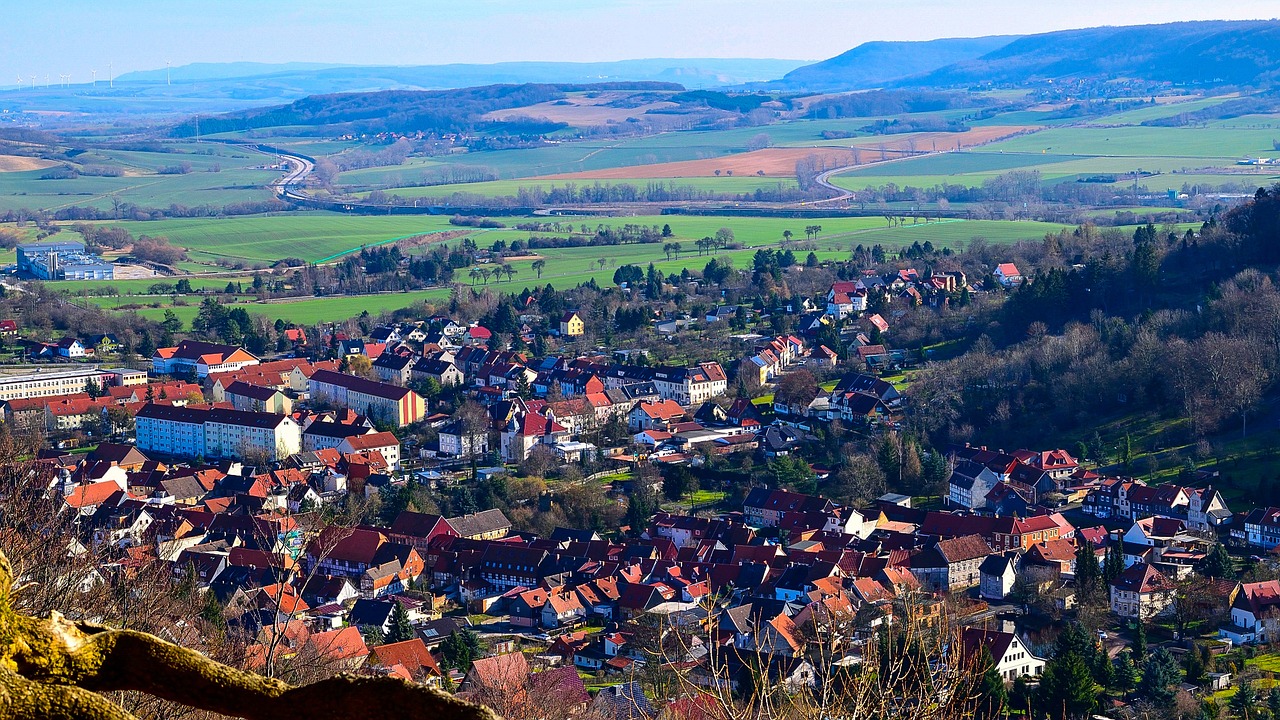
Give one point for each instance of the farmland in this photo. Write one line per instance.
(183, 174)
(509, 188)
(266, 239)
(308, 311)
(564, 267)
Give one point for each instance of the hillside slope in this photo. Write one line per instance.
(874, 64)
(1211, 53)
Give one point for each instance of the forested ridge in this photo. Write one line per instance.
(1181, 324)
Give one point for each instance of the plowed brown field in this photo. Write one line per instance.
(781, 161)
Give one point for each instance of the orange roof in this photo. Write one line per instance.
(412, 655)
(91, 495)
(282, 597)
(342, 644)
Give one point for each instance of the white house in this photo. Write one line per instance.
(1141, 592)
(998, 574)
(1012, 656)
(1255, 613)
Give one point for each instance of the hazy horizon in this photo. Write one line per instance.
(77, 36)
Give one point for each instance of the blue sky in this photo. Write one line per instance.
(74, 36)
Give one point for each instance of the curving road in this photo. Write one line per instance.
(299, 169)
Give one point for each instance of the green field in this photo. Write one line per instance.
(311, 236)
(1161, 142)
(219, 175)
(509, 188)
(568, 267)
(310, 311)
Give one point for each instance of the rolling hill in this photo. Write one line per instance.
(875, 64)
(1203, 53)
(1208, 53)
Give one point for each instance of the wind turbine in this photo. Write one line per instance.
(167, 79)
(64, 79)
(21, 82)
(111, 76)
(95, 77)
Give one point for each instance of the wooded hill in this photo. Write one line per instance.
(404, 110)
(1212, 53)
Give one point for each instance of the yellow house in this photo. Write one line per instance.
(571, 325)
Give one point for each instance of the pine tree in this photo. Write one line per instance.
(1104, 673)
(460, 649)
(1243, 704)
(1217, 564)
(991, 697)
(1126, 675)
(1160, 675)
(1066, 688)
(1074, 640)
(1088, 574)
(211, 611)
(1194, 666)
(1021, 696)
(1140, 643)
(401, 628)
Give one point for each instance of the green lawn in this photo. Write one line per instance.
(310, 311)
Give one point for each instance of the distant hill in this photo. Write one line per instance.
(301, 79)
(1211, 53)
(875, 64)
(221, 71)
(210, 88)
(453, 110)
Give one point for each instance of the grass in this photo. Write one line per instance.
(1132, 141)
(978, 166)
(309, 311)
(310, 236)
(265, 239)
(708, 497)
(219, 175)
(510, 188)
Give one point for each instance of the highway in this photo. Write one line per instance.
(299, 169)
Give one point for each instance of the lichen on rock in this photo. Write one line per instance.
(53, 668)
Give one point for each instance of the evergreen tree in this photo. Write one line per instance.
(1088, 573)
(460, 649)
(1194, 665)
(1075, 640)
(373, 635)
(1273, 701)
(991, 697)
(1126, 675)
(1113, 565)
(1160, 677)
(1244, 703)
(1066, 688)
(1140, 643)
(1021, 696)
(401, 628)
(211, 611)
(1217, 564)
(1104, 672)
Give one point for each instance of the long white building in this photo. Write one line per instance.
(216, 433)
(56, 381)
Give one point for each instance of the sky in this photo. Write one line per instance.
(76, 36)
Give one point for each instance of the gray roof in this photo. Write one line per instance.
(480, 523)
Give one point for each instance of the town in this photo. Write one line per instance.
(589, 527)
(595, 361)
